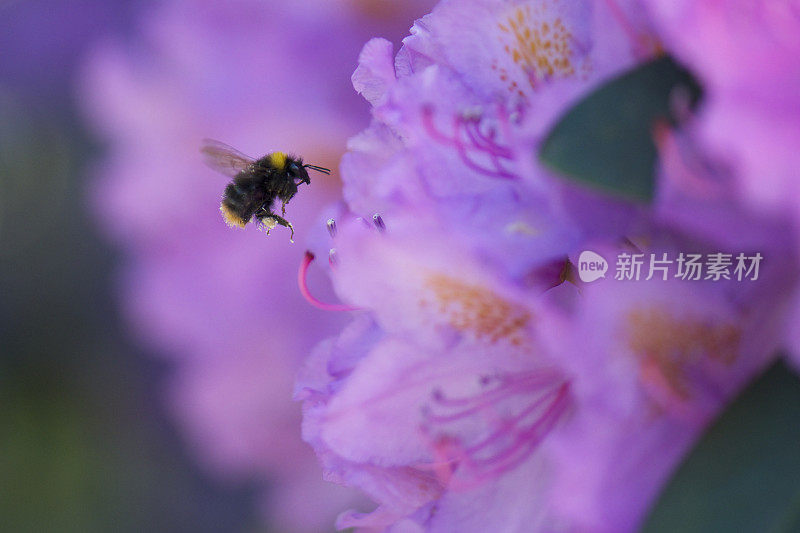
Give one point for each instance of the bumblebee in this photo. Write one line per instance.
(257, 184)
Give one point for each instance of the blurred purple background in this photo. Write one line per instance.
(148, 350)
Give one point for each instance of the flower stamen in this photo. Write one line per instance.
(331, 225)
(467, 126)
(536, 400)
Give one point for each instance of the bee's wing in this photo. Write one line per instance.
(223, 158)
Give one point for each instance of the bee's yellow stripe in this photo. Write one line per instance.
(278, 160)
(231, 218)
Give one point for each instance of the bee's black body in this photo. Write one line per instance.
(253, 190)
(257, 184)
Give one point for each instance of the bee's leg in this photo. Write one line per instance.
(266, 218)
(283, 222)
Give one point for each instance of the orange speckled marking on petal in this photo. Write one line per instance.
(667, 345)
(478, 310)
(540, 45)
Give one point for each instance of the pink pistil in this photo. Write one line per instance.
(302, 275)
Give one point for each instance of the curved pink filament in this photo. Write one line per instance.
(481, 402)
(302, 275)
(525, 441)
(507, 385)
(455, 142)
(500, 173)
(551, 396)
(490, 148)
(505, 121)
(484, 143)
(430, 127)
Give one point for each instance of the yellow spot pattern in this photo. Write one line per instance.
(278, 160)
(480, 311)
(668, 344)
(540, 47)
(231, 218)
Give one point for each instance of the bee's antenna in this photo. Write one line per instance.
(318, 169)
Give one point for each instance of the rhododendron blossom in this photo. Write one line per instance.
(746, 55)
(455, 363)
(480, 386)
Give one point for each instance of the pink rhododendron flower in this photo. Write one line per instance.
(746, 56)
(445, 371)
(651, 363)
(475, 383)
(469, 393)
(462, 403)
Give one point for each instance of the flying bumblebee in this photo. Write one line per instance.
(257, 183)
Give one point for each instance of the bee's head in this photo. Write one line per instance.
(298, 173)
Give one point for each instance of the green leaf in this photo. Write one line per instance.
(606, 140)
(744, 475)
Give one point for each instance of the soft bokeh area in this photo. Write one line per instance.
(539, 268)
(148, 351)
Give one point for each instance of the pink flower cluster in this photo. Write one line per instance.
(480, 386)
